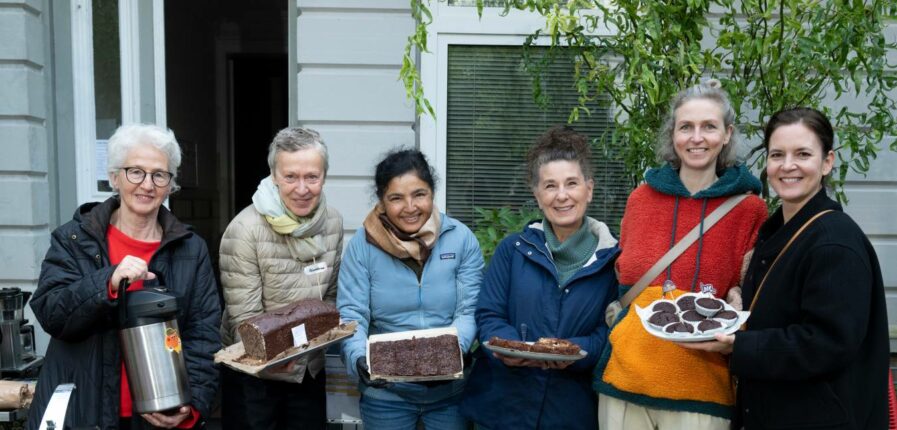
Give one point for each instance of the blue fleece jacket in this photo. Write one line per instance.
(384, 296)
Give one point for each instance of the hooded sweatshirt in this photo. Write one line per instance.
(645, 370)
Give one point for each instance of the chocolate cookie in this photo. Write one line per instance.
(686, 303)
(679, 327)
(661, 319)
(665, 307)
(693, 316)
(708, 325)
(726, 315)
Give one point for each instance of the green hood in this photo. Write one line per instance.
(734, 180)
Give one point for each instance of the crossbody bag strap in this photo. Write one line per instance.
(785, 248)
(680, 247)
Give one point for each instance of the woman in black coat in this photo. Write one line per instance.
(814, 354)
(130, 235)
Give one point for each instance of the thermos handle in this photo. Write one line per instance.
(122, 302)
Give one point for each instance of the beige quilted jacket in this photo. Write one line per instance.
(258, 274)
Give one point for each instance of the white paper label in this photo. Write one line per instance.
(315, 268)
(299, 336)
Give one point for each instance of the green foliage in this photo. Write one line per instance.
(418, 41)
(493, 224)
(769, 54)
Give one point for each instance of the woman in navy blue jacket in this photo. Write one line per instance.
(554, 279)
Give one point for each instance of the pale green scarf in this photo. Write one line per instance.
(303, 234)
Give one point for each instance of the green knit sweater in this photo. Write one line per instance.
(570, 255)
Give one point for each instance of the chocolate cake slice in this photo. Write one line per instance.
(266, 335)
(406, 358)
(383, 358)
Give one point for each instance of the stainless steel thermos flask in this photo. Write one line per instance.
(152, 350)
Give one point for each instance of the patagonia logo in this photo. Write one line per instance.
(447, 256)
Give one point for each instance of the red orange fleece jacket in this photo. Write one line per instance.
(639, 368)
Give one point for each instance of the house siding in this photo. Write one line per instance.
(348, 57)
(872, 203)
(25, 203)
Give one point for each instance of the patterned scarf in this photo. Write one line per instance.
(303, 233)
(382, 233)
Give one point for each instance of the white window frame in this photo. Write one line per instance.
(86, 169)
(459, 25)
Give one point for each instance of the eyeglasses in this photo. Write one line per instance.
(136, 175)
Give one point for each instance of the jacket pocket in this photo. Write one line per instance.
(800, 404)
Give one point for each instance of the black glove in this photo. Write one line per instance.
(365, 376)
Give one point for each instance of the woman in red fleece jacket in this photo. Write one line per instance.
(645, 382)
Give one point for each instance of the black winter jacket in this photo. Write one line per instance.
(72, 305)
(815, 352)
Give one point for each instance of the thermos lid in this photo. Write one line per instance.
(150, 303)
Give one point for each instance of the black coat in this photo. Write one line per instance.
(815, 352)
(72, 305)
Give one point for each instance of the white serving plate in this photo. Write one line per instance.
(645, 313)
(544, 356)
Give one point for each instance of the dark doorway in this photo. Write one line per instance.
(227, 94)
(259, 88)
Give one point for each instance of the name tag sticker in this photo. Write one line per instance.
(315, 268)
(447, 256)
(299, 336)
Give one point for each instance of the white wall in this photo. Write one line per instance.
(24, 187)
(349, 54)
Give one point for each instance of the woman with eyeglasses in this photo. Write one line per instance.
(129, 236)
(285, 246)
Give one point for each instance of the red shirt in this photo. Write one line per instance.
(120, 246)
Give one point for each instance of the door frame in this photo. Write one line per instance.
(142, 51)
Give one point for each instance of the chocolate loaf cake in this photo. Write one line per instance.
(266, 335)
(425, 356)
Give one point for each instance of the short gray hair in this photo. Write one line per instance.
(710, 90)
(129, 136)
(292, 139)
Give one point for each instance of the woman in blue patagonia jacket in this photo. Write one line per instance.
(409, 268)
(554, 279)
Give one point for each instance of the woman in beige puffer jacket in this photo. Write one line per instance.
(284, 247)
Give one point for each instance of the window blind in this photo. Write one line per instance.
(492, 120)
